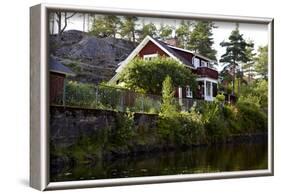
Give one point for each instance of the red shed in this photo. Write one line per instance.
(58, 72)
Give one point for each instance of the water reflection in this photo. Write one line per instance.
(194, 160)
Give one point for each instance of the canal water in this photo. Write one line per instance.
(219, 158)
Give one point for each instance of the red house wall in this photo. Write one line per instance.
(207, 72)
(151, 48)
(56, 87)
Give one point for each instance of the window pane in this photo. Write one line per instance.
(208, 88)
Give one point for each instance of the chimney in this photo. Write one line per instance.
(172, 41)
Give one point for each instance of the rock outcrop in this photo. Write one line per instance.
(92, 59)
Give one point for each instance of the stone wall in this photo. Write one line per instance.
(68, 124)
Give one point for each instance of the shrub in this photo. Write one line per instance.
(252, 119)
(191, 129)
(230, 114)
(148, 75)
(109, 97)
(220, 98)
(80, 94)
(214, 122)
(124, 131)
(146, 104)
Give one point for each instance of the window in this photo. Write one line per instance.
(208, 88)
(215, 90)
(188, 92)
(204, 63)
(150, 56)
(196, 62)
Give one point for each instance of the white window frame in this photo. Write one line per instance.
(208, 89)
(204, 63)
(148, 57)
(205, 80)
(196, 64)
(188, 92)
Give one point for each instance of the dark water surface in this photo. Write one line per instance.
(219, 158)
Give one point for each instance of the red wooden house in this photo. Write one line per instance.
(58, 72)
(200, 65)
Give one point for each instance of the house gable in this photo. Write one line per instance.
(151, 48)
(153, 45)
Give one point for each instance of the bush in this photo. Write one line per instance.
(80, 94)
(146, 104)
(109, 96)
(213, 119)
(124, 131)
(148, 75)
(251, 118)
(230, 114)
(220, 98)
(191, 129)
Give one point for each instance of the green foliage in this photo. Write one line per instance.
(148, 75)
(168, 107)
(169, 112)
(123, 134)
(248, 67)
(261, 62)
(191, 130)
(147, 30)
(80, 94)
(109, 97)
(220, 98)
(256, 92)
(213, 119)
(128, 28)
(201, 40)
(147, 104)
(165, 31)
(236, 52)
(251, 118)
(235, 48)
(105, 26)
(183, 33)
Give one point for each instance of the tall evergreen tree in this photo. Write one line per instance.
(165, 31)
(261, 62)
(128, 28)
(183, 33)
(147, 29)
(105, 26)
(201, 40)
(248, 67)
(235, 53)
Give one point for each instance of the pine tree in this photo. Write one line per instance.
(183, 33)
(105, 26)
(261, 62)
(147, 29)
(201, 40)
(248, 67)
(128, 28)
(165, 31)
(235, 53)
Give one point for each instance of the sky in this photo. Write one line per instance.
(255, 32)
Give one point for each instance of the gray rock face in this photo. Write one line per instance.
(92, 59)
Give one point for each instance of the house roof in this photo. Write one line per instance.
(58, 67)
(170, 50)
(174, 52)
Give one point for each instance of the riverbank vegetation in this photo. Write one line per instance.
(204, 124)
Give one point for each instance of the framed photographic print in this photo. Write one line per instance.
(123, 97)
